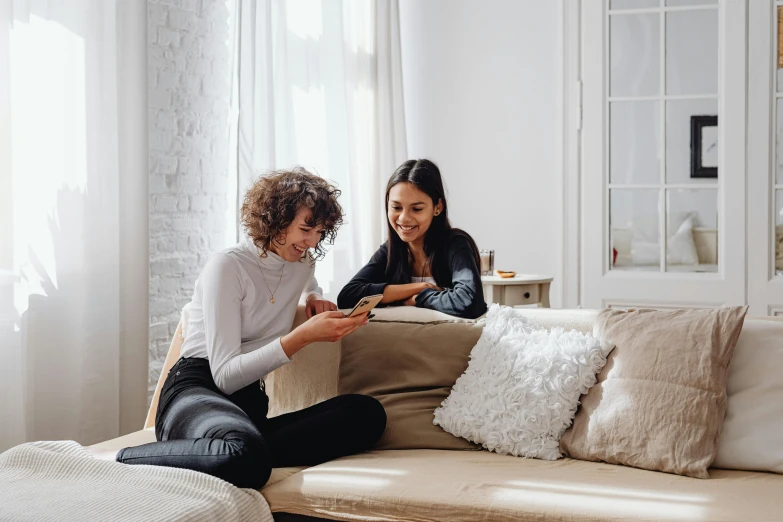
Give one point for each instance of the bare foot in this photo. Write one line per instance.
(102, 453)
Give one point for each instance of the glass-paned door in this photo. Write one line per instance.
(659, 173)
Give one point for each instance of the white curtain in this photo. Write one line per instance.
(59, 221)
(319, 84)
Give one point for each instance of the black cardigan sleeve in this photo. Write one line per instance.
(370, 280)
(465, 298)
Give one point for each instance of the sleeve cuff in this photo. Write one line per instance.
(315, 293)
(276, 349)
(376, 288)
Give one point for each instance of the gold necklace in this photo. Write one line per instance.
(272, 300)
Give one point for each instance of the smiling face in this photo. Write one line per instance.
(301, 235)
(410, 212)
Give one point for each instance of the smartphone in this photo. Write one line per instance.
(365, 304)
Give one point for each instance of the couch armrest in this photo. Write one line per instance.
(310, 378)
(171, 358)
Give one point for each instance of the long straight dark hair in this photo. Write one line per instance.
(425, 176)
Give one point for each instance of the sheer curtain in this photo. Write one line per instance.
(60, 226)
(319, 84)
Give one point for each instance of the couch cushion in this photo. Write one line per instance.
(312, 375)
(752, 436)
(410, 368)
(457, 486)
(661, 398)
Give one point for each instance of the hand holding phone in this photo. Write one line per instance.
(365, 305)
(325, 327)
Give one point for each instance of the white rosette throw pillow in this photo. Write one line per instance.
(522, 386)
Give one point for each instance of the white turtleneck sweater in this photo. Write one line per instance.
(231, 321)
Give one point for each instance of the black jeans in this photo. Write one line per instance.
(229, 436)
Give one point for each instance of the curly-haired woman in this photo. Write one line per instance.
(212, 414)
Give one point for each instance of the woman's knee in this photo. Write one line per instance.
(249, 463)
(369, 417)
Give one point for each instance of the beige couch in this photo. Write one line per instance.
(439, 485)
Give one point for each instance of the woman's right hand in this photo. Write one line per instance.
(425, 285)
(399, 293)
(411, 301)
(331, 326)
(325, 327)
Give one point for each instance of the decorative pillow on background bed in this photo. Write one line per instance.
(410, 368)
(680, 247)
(522, 386)
(661, 398)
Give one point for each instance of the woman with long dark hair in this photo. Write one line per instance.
(425, 262)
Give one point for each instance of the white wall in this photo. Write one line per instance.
(188, 71)
(482, 85)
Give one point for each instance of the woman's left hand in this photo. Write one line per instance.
(411, 301)
(315, 306)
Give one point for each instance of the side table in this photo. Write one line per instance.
(522, 289)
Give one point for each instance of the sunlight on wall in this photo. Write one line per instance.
(48, 109)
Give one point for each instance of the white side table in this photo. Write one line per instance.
(521, 289)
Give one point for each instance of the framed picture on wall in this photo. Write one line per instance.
(704, 146)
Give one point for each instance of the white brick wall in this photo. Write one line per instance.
(188, 57)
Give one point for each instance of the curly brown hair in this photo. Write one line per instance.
(272, 202)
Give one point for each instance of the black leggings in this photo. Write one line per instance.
(229, 436)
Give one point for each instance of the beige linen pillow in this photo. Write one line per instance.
(661, 398)
(410, 368)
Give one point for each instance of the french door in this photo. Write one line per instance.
(663, 153)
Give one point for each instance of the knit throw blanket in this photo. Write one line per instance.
(60, 480)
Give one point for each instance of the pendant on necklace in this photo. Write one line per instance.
(272, 300)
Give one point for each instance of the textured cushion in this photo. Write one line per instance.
(410, 368)
(661, 398)
(522, 386)
(752, 436)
